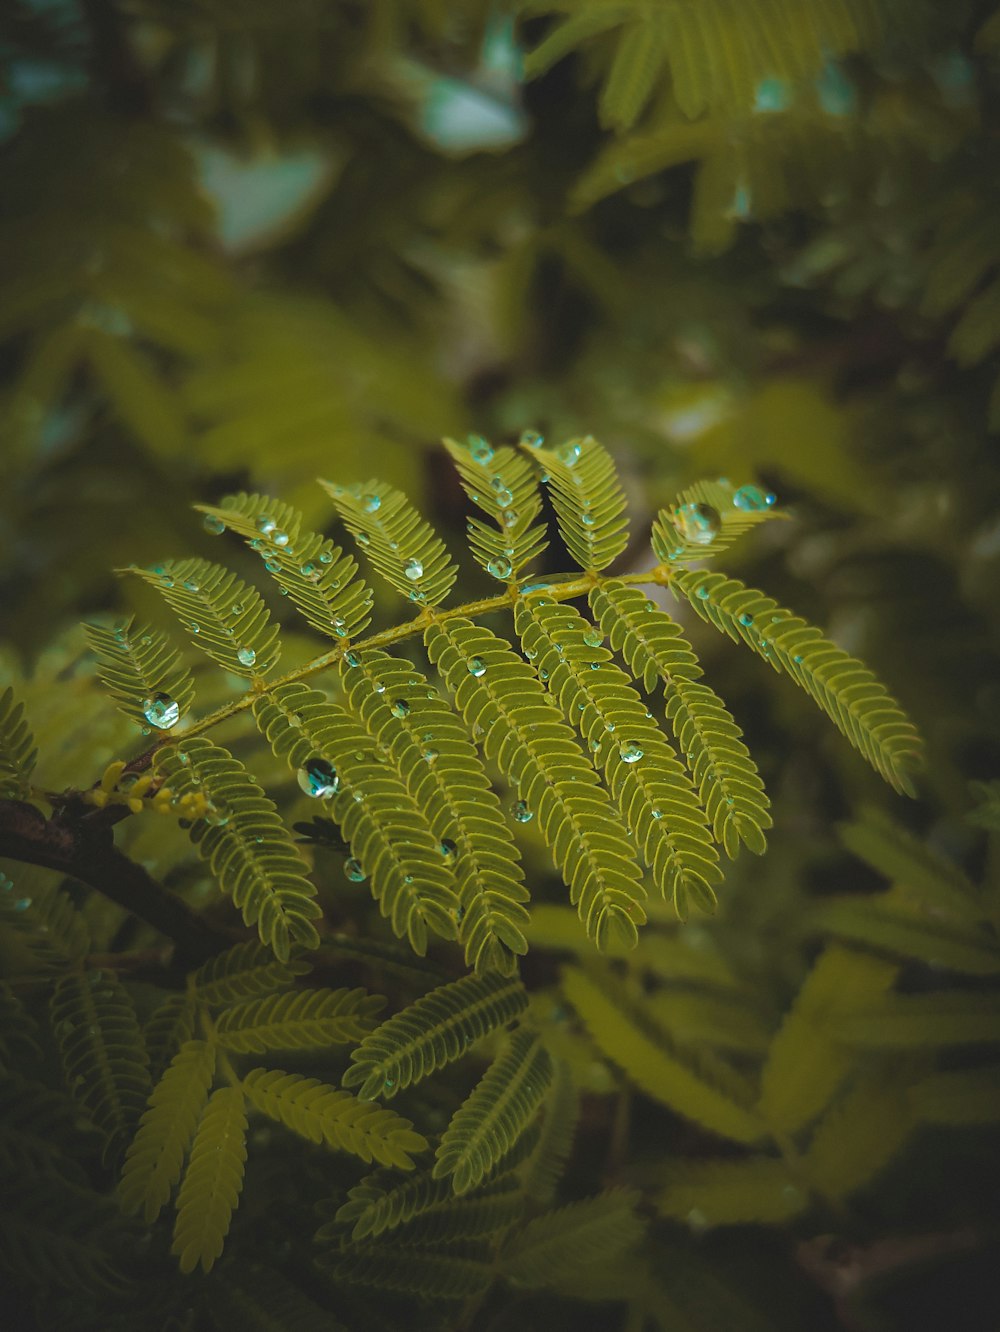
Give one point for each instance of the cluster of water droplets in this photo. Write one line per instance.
(699, 523)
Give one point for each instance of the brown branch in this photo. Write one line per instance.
(86, 850)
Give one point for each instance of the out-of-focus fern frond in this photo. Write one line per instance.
(17, 748)
(245, 971)
(556, 1246)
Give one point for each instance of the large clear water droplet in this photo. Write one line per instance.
(531, 439)
(280, 538)
(161, 711)
(698, 523)
(246, 656)
(371, 503)
(593, 638)
(480, 449)
(266, 525)
(354, 870)
(212, 524)
(570, 453)
(587, 519)
(751, 499)
(510, 517)
(745, 620)
(522, 813)
(413, 570)
(630, 751)
(430, 754)
(399, 708)
(477, 666)
(325, 557)
(703, 593)
(352, 658)
(318, 778)
(500, 567)
(363, 539)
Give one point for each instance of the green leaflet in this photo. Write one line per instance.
(297, 1020)
(17, 748)
(846, 690)
(247, 846)
(903, 859)
(223, 616)
(523, 733)
(244, 971)
(657, 801)
(556, 1246)
(639, 58)
(720, 1193)
(422, 1210)
(923, 1021)
(447, 782)
(457, 1272)
(888, 924)
(168, 1028)
(496, 1112)
(703, 1089)
(504, 486)
(807, 1061)
(211, 1188)
(958, 1096)
(136, 664)
(388, 832)
(858, 1136)
(316, 575)
(588, 499)
(544, 1168)
(323, 1114)
(104, 1061)
(155, 1157)
(399, 543)
(434, 1031)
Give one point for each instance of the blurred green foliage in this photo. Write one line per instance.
(243, 244)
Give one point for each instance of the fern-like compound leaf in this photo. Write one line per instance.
(556, 1246)
(721, 766)
(760, 1188)
(496, 1112)
(699, 1086)
(435, 1030)
(244, 841)
(38, 1132)
(904, 859)
(455, 1272)
(504, 486)
(315, 574)
(858, 1136)
(51, 928)
(544, 1168)
(323, 1114)
(60, 1235)
(388, 832)
(446, 780)
(245, 971)
(657, 801)
(639, 57)
(169, 1026)
(921, 1022)
(225, 617)
(588, 499)
(807, 1063)
(17, 747)
(893, 926)
(212, 1182)
(422, 1210)
(404, 548)
(523, 733)
(103, 1057)
(300, 1020)
(707, 519)
(143, 672)
(845, 689)
(156, 1154)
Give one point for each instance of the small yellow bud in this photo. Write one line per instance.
(111, 774)
(134, 804)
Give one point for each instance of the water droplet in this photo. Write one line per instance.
(630, 751)
(212, 524)
(448, 847)
(595, 746)
(657, 813)
(521, 811)
(363, 539)
(266, 525)
(797, 660)
(256, 544)
(480, 449)
(477, 666)
(280, 538)
(570, 453)
(509, 517)
(246, 656)
(354, 871)
(216, 817)
(531, 439)
(500, 567)
(194, 626)
(339, 625)
(237, 608)
(698, 523)
(413, 570)
(325, 557)
(353, 659)
(587, 519)
(543, 674)
(22, 904)
(318, 778)
(272, 566)
(772, 94)
(399, 708)
(703, 593)
(593, 638)
(430, 755)
(745, 619)
(161, 711)
(751, 499)
(371, 503)
(389, 1082)
(308, 570)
